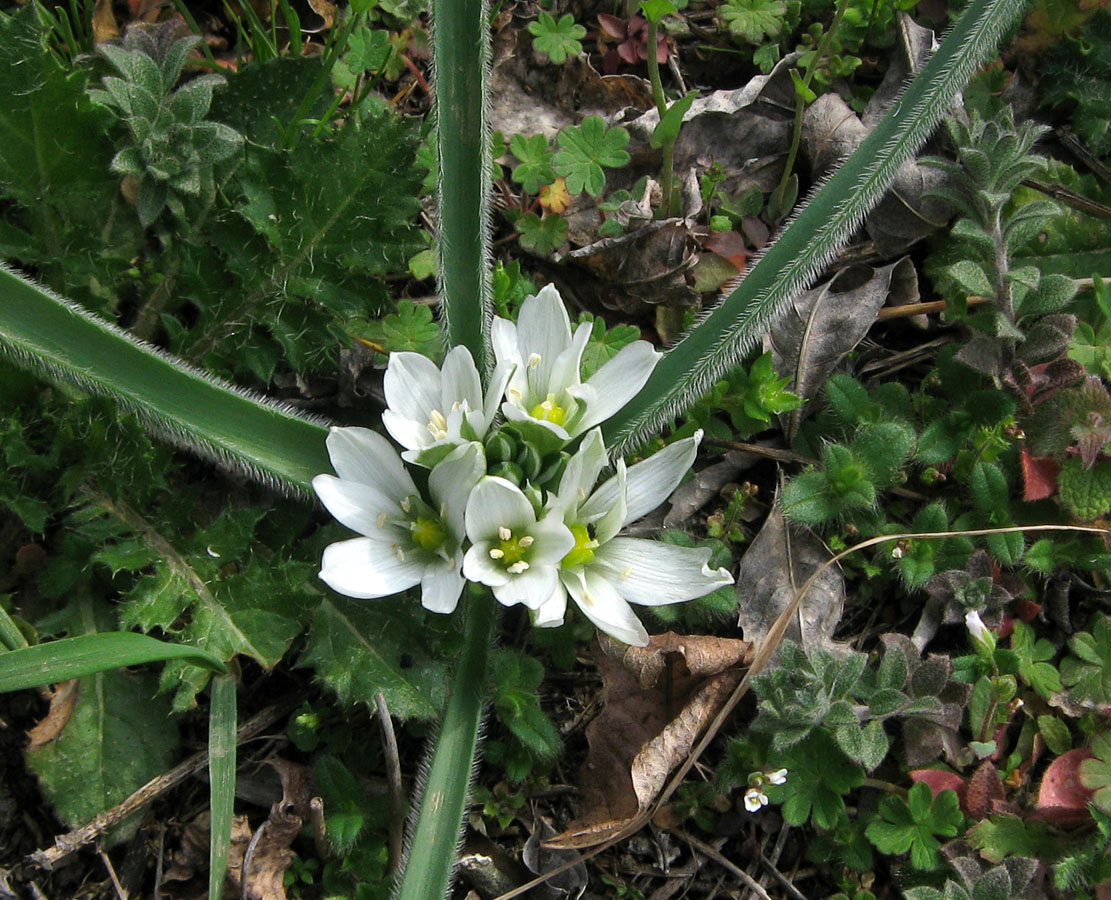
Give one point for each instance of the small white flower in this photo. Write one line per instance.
(512, 551)
(546, 388)
(431, 412)
(755, 799)
(978, 631)
(779, 776)
(604, 573)
(405, 540)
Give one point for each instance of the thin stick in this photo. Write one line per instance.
(69, 843)
(710, 852)
(120, 892)
(393, 785)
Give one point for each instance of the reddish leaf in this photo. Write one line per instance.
(1062, 798)
(730, 245)
(1039, 474)
(940, 780)
(984, 786)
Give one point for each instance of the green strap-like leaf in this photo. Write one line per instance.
(444, 798)
(833, 213)
(221, 773)
(89, 653)
(239, 430)
(462, 52)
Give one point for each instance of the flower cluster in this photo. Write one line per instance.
(506, 504)
(755, 798)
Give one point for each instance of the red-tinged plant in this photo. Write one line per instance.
(632, 37)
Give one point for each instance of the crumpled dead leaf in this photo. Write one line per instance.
(776, 565)
(657, 700)
(540, 860)
(822, 325)
(62, 702)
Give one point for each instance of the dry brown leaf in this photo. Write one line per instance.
(655, 707)
(50, 726)
(326, 11)
(104, 22)
(777, 563)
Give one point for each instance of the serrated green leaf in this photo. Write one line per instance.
(358, 647)
(605, 343)
(544, 235)
(559, 39)
(535, 169)
(1000, 836)
(1055, 733)
(914, 824)
(754, 20)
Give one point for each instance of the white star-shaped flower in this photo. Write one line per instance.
(755, 799)
(432, 411)
(405, 540)
(546, 390)
(513, 552)
(603, 572)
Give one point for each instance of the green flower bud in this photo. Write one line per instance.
(500, 446)
(509, 471)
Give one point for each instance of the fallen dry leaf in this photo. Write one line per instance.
(1061, 797)
(62, 701)
(777, 563)
(655, 708)
(821, 326)
(104, 22)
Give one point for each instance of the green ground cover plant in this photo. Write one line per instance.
(215, 317)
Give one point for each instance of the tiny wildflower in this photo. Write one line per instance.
(755, 799)
(982, 638)
(546, 392)
(431, 412)
(405, 540)
(779, 776)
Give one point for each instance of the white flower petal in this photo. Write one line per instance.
(460, 381)
(359, 454)
(582, 471)
(543, 332)
(479, 567)
(551, 613)
(567, 369)
(649, 482)
(608, 522)
(499, 381)
(653, 573)
(552, 540)
(366, 569)
(451, 483)
(601, 603)
(529, 588)
(358, 506)
(412, 386)
(618, 381)
(496, 503)
(440, 588)
(410, 433)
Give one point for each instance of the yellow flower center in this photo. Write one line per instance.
(511, 553)
(583, 552)
(428, 534)
(549, 411)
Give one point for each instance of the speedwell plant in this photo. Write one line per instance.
(515, 512)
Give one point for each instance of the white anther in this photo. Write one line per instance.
(381, 519)
(526, 541)
(628, 570)
(504, 533)
(534, 360)
(517, 568)
(496, 553)
(406, 504)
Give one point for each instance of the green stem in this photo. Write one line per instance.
(446, 792)
(461, 47)
(323, 78)
(807, 244)
(800, 102)
(667, 165)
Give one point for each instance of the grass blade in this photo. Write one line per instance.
(834, 211)
(87, 654)
(221, 779)
(236, 429)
